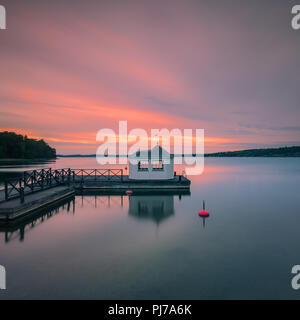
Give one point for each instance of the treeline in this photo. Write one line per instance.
(16, 146)
(270, 152)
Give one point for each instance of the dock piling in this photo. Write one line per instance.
(22, 197)
(50, 177)
(42, 178)
(6, 190)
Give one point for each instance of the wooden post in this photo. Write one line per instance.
(24, 178)
(32, 182)
(22, 195)
(6, 191)
(21, 191)
(69, 176)
(22, 233)
(43, 172)
(34, 178)
(50, 176)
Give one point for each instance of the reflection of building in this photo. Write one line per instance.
(156, 207)
(155, 164)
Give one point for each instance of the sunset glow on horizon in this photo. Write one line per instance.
(72, 68)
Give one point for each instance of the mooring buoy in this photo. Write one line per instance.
(204, 213)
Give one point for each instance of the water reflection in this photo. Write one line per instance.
(155, 208)
(203, 220)
(102, 238)
(155, 205)
(17, 229)
(97, 200)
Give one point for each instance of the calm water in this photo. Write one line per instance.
(156, 247)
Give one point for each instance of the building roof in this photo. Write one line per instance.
(156, 153)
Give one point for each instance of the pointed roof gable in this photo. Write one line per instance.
(156, 153)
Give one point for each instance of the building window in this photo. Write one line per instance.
(158, 166)
(143, 166)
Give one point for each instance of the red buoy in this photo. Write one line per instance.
(204, 213)
(129, 192)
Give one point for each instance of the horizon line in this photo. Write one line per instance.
(181, 155)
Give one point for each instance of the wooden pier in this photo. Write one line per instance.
(40, 188)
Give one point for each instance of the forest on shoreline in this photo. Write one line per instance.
(17, 146)
(268, 152)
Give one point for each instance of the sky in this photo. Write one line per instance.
(70, 68)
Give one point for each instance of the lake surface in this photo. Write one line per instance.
(157, 247)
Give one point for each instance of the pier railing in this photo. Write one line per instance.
(97, 174)
(38, 180)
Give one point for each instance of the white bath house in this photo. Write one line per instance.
(155, 164)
